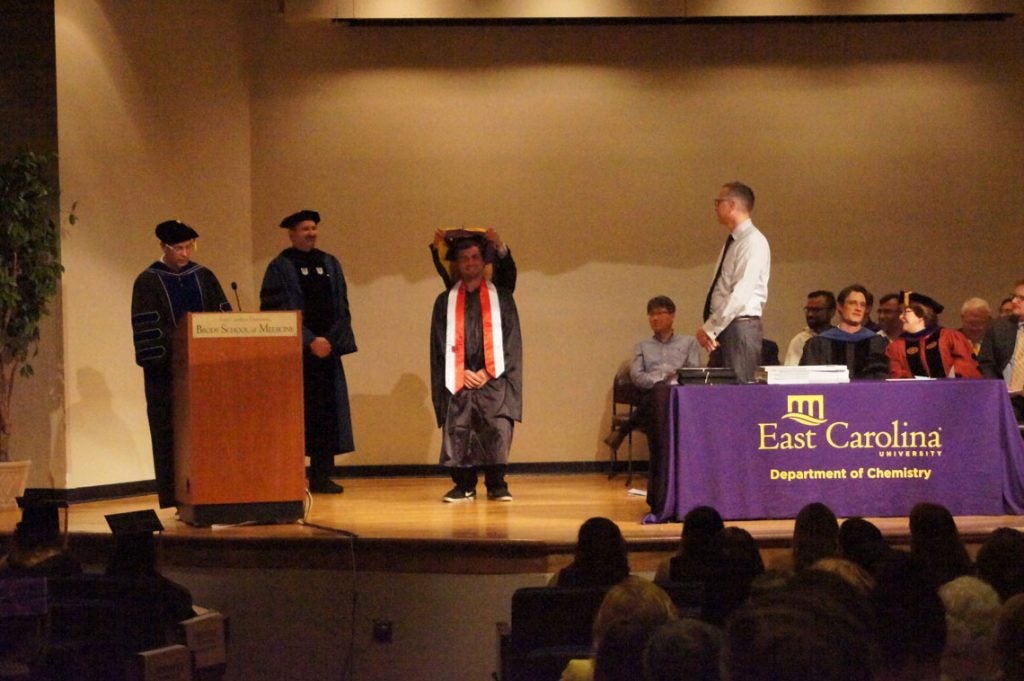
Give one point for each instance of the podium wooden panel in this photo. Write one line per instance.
(239, 439)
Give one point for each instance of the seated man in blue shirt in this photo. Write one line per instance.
(655, 360)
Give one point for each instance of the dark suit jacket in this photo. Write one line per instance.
(996, 353)
(997, 348)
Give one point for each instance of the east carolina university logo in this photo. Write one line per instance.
(806, 409)
(895, 438)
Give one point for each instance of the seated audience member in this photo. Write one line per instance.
(700, 548)
(1006, 310)
(1010, 639)
(975, 318)
(910, 621)
(818, 311)
(135, 558)
(998, 348)
(495, 252)
(1000, 562)
(862, 542)
(889, 310)
(684, 650)
(38, 548)
(850, 343)
(815, 535)
(849, 571)
(818, 629)
(926, 348)
(601, 556)
(729, 587)
(655, 360)
(935, 544)
(972, 616)
(633, 601)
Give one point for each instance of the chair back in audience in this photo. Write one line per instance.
(548, 626)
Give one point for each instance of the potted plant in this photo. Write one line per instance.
(30, 270)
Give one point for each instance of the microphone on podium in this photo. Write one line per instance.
(234, 287)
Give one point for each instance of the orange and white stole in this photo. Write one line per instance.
(455, 335)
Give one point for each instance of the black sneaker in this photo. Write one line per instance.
(499, 494)
(325, 486)
(457, 494)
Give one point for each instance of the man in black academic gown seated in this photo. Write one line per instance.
(850, 343)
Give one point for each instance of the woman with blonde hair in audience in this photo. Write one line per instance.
(972, 617)
(630, 612)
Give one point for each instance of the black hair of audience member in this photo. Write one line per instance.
(801, 632)
(862, 542)
(700, 546)
(815, 535)
(601, 556)
(685, 650)
(935, 542)
(1010, 639)
(910, 619)
(729, 588)
(1000, 562)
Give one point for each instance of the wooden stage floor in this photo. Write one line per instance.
(401, 525)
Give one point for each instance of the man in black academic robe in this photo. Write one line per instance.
(850, 343)
(305, 278)
(161, 296)
(476, 376)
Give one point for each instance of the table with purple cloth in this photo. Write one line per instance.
(871, 448)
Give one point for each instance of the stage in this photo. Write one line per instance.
(401, 525)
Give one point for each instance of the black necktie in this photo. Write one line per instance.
(718, 273)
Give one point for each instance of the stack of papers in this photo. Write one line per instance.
(822, 373)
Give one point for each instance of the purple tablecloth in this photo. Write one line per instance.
(872, 448)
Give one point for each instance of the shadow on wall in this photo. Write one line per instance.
(99, 429)
(396, 427)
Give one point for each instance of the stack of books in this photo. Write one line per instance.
(787, 375)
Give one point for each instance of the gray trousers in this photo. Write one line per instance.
(741, 347)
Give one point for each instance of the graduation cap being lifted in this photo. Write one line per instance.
(40, 516)
(457, 239)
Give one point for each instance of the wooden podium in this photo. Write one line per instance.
(239, 438)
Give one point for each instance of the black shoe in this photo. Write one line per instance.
(499, 494)
(325, 486)
(457, 494)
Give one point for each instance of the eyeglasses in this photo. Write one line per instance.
(817, 309)
(718, 201)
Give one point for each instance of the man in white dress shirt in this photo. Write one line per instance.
(739, 290)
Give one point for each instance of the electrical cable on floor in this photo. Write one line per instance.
(346, 668)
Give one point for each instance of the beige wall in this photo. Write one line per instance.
(881, 152)
(153, 121)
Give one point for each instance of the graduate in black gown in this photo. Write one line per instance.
(161, 296)
(475, 375)
(305, 278)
